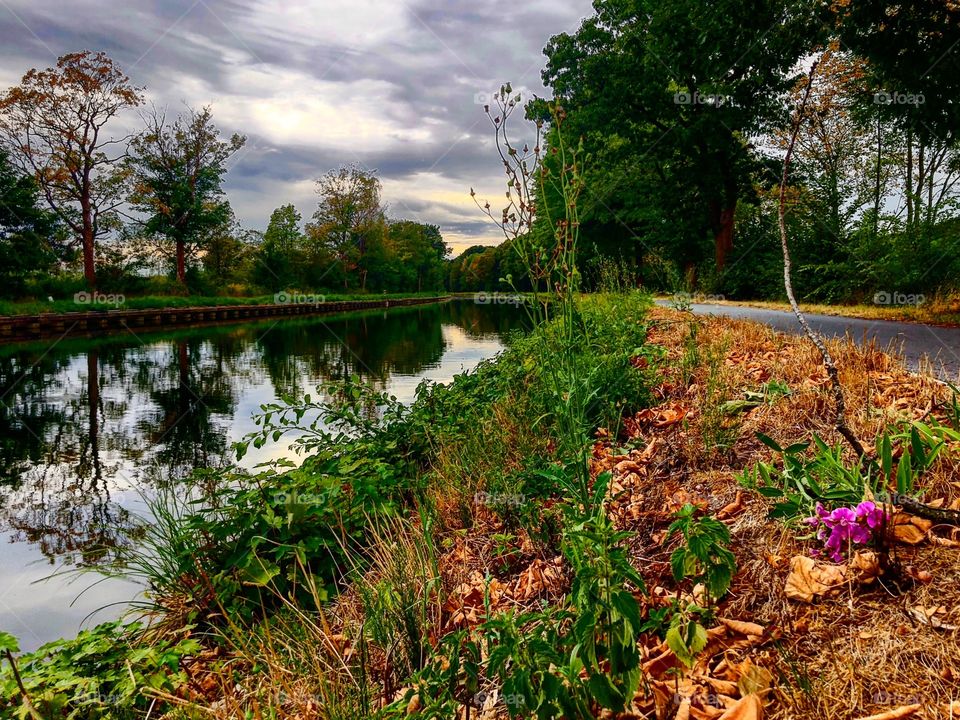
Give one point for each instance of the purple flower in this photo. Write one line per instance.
(842, 527)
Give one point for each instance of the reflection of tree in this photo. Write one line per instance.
(372, 345)
(484, 320)
(63, 504)
(83, 420)
(188, 391)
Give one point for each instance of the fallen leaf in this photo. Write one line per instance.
(731, 509)
(754, 679)
(928, 616)
(901, 712)
(809, 579)
(910, 529)
(744, 628)
(746, 708)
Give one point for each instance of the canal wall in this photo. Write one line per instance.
(16, 328)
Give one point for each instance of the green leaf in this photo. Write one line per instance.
(8, 643)
(769, 442)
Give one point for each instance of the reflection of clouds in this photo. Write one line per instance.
(77, 486)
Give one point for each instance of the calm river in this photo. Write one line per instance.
(87, 427)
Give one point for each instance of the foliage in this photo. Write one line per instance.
(704, 557)
(827, 478)
(177, 172)
(54, 121)
(100, 674)
(27, 243)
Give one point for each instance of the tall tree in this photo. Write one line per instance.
(667, 98)
(348, 218)
(53, 124)
(421, 248)
(282, 243)
(178, 172)
(26, 229)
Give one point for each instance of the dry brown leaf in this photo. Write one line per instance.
(910, 529)
(731, 509)
(901, 712)
(749, 707)
(754, 679)
(929, 616)
(809, 579)
(744, 628)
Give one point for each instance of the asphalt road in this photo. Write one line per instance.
(941, 346)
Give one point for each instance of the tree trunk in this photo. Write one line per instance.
(181, 262)
(88, 239)
(909, 180)
(876, 189)
(724, 237)
(93, 405)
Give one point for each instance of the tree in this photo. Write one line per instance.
(282, 243)
(53, 124)
(348, 218)
(26, 229)
(178, 174)
(913, 55)
(228, 253)
(420, 248)
(666, 98)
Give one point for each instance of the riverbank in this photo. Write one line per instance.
(440, 561)
(17, 328)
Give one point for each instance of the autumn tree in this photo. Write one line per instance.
(178, 172)
(349, 217)
(54, 126)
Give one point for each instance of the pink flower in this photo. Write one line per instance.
(842, 527)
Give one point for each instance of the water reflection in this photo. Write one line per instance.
(85, 425)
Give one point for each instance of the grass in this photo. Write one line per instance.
(472, 596)
(151, 302)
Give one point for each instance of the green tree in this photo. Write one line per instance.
(666, 97)
(420, 248)
(26, 230)
(178, 172)
(281, 250)
(349, 217)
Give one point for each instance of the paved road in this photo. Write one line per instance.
(940, 345)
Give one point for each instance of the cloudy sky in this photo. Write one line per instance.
(391, 84)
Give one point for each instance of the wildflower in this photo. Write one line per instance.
(842, 527)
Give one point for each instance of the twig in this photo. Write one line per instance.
(23, 691)
(815, 338)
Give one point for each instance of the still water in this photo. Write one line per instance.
(88, 427)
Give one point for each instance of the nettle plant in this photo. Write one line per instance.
(702, 560)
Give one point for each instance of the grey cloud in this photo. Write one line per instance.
(427, 69)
